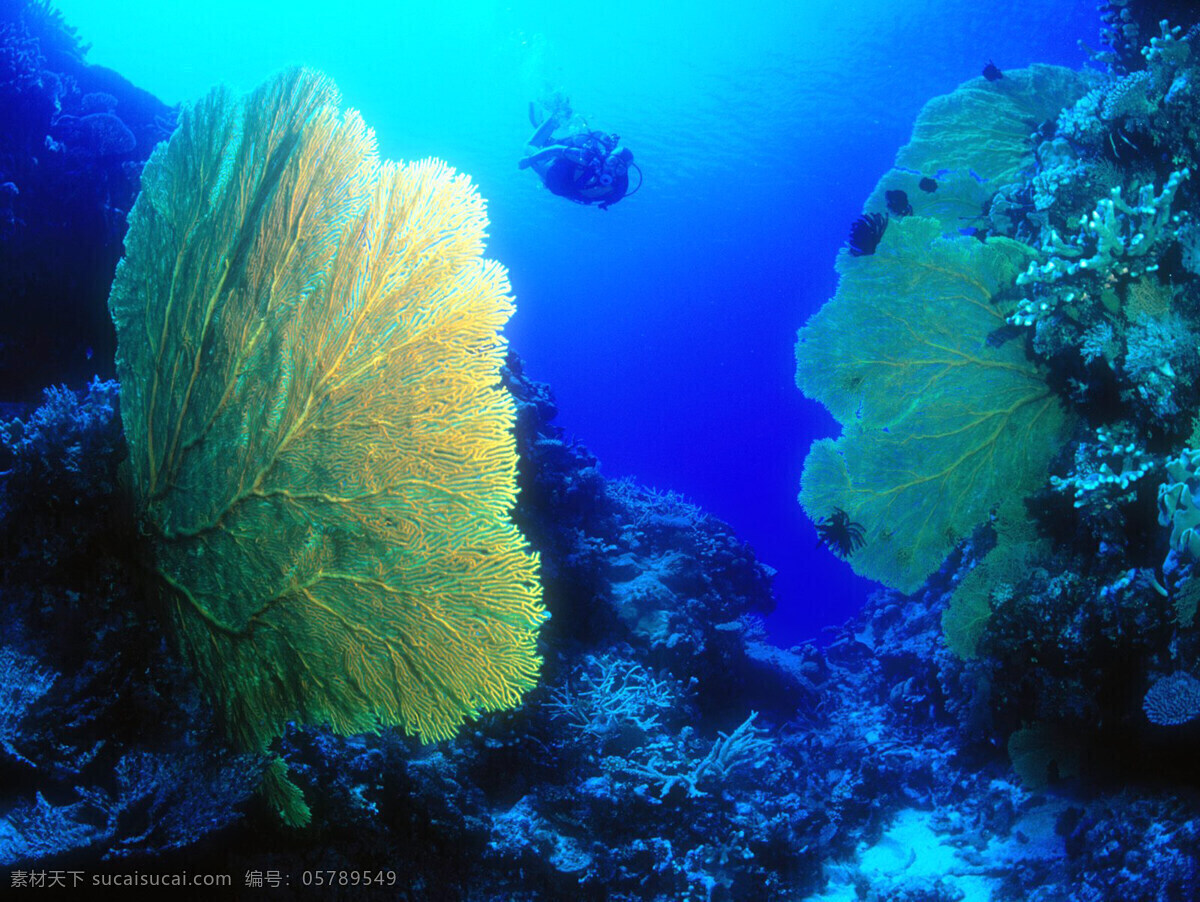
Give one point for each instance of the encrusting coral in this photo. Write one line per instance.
(321, 451)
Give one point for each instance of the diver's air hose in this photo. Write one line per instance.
(639, 184)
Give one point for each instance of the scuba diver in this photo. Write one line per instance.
(588, 167)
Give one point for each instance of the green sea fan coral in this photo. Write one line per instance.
(321, 452)
(940, 424)
(976, 140)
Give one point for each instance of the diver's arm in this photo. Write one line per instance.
(542, 134)
(554, 151)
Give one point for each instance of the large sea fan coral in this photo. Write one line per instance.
(976, 140)
(939, 424)
(942, 421)
(321, 450)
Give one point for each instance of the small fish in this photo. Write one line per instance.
(992, 72)
(928, 185)
(897, 202)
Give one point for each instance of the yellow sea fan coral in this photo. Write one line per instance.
(321, 451)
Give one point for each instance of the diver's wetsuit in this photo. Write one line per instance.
(581, 183)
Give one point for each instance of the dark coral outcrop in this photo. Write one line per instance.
(73, 142)
(105, 752)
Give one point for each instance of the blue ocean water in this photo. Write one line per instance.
(665, 324)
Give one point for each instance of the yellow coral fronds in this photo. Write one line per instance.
(1148, 298)
(309, 355)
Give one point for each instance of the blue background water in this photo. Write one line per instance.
(665, 325)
